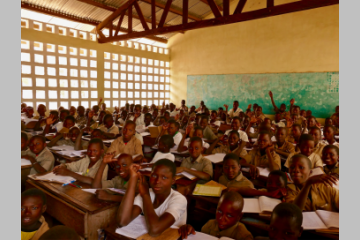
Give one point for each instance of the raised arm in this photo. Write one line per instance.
(56, 139)
(272, 101)
(164, 127)
(49, 121)
(63, 171)
(181, 147)
(213, 145)
(272, 165)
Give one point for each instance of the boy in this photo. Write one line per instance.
(41, 109)
(63, 114)
(24, 142)
(281, 146)
(137, 117)
(81, 119)
(183, 107)
(161, 205)
(127, 143)
(203, 166)
(285, 223)
(207, 132)
(33, 205)
(166, 142)
(236, 125)
(123, 164)
(231, 146)
(259, 114)
(88, 165)
(235, 111)
(99, 120)
(296, 131)
(172, 127)
(263, 156)
(199, 109)
(42, 160)
(306, 147)
(72, 111)
(154, 115)
(319, 145)
(184, 144)
(330, 157)
(314, 193)
(329, 132)
(109, 129)
(173, 111)
(148, 119)
(226, 224)
(281, 111)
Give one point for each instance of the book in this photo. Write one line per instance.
(135, 229)
(262, 205)
(203, 236)
(321, 219)
(216, 158)
(51, 177)
(210, 191)
(187, 175)
(216, 184)
(145, 134)
(25, 162)
(154, 131)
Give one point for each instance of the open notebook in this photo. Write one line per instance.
(205, 190)
(262, 171)
(203, 236)
(25, 162)
(320, 219)
(51, 177)
(185, 174)
(134, 229)
(263, 205)
(216, 158)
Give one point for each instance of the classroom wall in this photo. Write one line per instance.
(306, 41)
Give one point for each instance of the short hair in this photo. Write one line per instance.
(288, 210)
(279, 173)
(234, 197)
(138, 105)
(220, 108)
(166, 112)
(24, 136)
(65, 111)
(96, 107)
(213, 111)
(147, 115)
(306, 137)
(327, 119)
(315, 128)
(41, 137)
(234, 132)
(60, 232)
(232, 156)
(174, 122)
(282, 128)
(97, 130)
(330, 126)
(70, 117)
(301, 156)
(130, 122)
(297, 125)
(265, 133)
(81, 107)
(331, 147)
(167, 140)
(205, 117)
(167, 163)
(236, 101)
(98, 141)
(234, 118)
(296, 107)
(196, 139)
(54, 112)
(34, 192)
(107, 116)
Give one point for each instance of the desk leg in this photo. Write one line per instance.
(99, 220)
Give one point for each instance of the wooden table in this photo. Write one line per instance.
(68, 159)
(149, 141)
(75, 208)
(25, 171)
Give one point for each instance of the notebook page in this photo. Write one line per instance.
(268, 204)
(90, 190)
(264, 171)
(63, 148)
(316, 171)
(201, 236)
(56, 178)
(134, 229)
(25, 162)
(225, 238)
(117, 190)
(312, 221)
(251, 205)
(331, 219)
(216, 158)
(186, 174)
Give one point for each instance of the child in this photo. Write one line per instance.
(42, 160)
(148, 119)
(99, 120)
(24, 142)
(296, 131)
(231, 146)
(226, 224)
(123, 164)
(319, 145)
(285, 223)
(306, 147)
(203, 166)
(161, 205)
(173, 111)
(123, 117)
(165, 143)
(137, 117)
(33, 205)
(172, 127)
(41, 109)
(60, 232)
(330, 157)
(184, 144)
(236, 125)
(336, 117)
(259, 114)
(154, 115)
(68, 139)
(72, 111)
(110, 130)
(314, 193)
(88, 165)
(264, 156)
(183, 107)
(281, 146)
(81, 119)
(207, 132)
(280, 111)
(221, 114)
(235, 111)
(63, 114)
(329, 132)
(199, 109)
(127, 143)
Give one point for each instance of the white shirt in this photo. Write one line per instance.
(174, 113)
(243, 135)
(327, 143)
(138, 136)
(186, 143)
(175, 204)
(121, 121)
(114, 129)
(177, 138)
(58, 126)
(139, 120)
(159, 155)
(236, 113)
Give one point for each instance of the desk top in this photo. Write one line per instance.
(71, 159)
(85, 201)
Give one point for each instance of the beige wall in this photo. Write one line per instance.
(306, 41)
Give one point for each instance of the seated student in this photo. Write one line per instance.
(123, 116)
(203, 166)
(110, 130)
(306, 147)
(230, 146)
(162, 206)
(336, 117)
(296, 131)
(236, 125)
(214, 117)
(303, 114)
(173, 111)
(207, 132)
(69, 122)
(23, 105)
(28, 113)
(235, 111)
(148, 119)
(167, 116)
(330, 157)
(41, 124)
(281, 146)
(329, 132)
(227, 222)
(33, 205)
(24, 142)
(192, 110)
(96, 110)
(314, 193)
(41, 109)
(145, 109)
(60, 232)
(262, 126)
(96, 133)
(311, 122)
(263, 156)
(81, 118)
(172, 127)
(123, 164)
(68, 139)
(63, 114)
(259, 114)
(285, 223)
(42, 160)
(154, 114)
(131, 109)
(184, 144)
(245, 124)
(98, 121)
(280, 111)
(319, 145)
(166, 142)
(221, 114)
(88, 165)
(329, 121)
(72, 111)
(127, 143)
(137, 117)
(183, 107)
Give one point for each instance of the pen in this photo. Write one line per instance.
(65, 184)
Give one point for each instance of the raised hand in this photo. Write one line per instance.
(50, 120)
(134, 170)
(249, 106)
(292, 101)
(136, 115)
(270, 94)
(143, 186)
(165, 126)
(328, 180)
(226, 106)
(109, 157)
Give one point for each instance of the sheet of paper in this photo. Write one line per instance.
(25, 162)
(108, 140)
(117, 190)
(145, 169)
(248, 149)
(55, 178)
(145, 134)
(204, 190)
(245, 169)
(176, 152)
(225, 238)
(188, 175)
(251, 205)
(27, 120)
(216, 158)
(316, 171)
(216, 184)
(134, 229)
(62, 148)
(312, 221)
(331, 219)
(90, 190)
(201, 236)
(268, 204)
(264, 171)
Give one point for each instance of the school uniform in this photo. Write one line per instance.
(113, 129)
(38, 116)
(261, 116)
(35, 235)
(96, 125)
(175, 204)
(132, 147)
(121, 121)
(209, 134)
(327, 143)
(335, 169)
(315, 160)
(201, 164)
(58, 126)
(174, 113)
(319, 148)
(254, 157)
(226, 149)
(68, 142)
(321, 197)
(239, 181)
(82, 166)
(233, 113)
(243, 135)
(139, 121)
(286, 147)
(177, 138)
(45, 159)
(238, 231)
(116, 182)
(140, 137)
(159, 155)
(204, 144)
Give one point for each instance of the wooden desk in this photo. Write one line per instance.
(25, 171)
(149, 141)
(75, 208)
(68, 159)
(224, 127)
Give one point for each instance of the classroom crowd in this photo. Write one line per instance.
(291, 146)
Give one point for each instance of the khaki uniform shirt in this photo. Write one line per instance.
(239, 181)
(322, 197)
(132, 147)
(254, 157)
(319, 148)
(226, 149)
(116, 182)
(286, 147)
(82, 166)
(209, 134)
(237, 232)
(327, 143)
(114, 129)
(96, 125)
(201, 164)
(42, 229)
(45, 158)
(315, 160)
(334, 170)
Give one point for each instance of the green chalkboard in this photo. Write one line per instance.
(318, 92)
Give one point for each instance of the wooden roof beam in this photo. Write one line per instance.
(207, 3)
